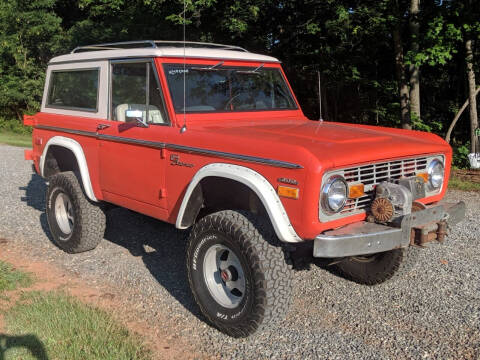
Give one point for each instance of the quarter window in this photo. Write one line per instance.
(74, 89)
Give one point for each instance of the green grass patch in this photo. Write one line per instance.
(11, 138)
(465, 185)
(59, 326)
(11, 278)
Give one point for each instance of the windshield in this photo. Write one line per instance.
(214, 88)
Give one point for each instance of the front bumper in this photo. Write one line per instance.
(364, 238)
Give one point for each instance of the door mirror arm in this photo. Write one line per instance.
(137, 117)
(141, 123)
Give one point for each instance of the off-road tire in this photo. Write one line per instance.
(382, 267)
(266, 267)
(89, 218)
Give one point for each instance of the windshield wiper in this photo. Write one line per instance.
(254, 71)
(210, 68)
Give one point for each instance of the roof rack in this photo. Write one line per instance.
(154, 44)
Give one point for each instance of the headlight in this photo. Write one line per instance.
(435, 174)
(334, 194)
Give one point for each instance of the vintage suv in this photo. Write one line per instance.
(211, 138)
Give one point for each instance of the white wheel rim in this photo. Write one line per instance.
(64, 213)
(224, 276)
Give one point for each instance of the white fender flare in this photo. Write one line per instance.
(256, 182)
(77, 150)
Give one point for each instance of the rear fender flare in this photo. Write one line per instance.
(257, 183)
(77, 150)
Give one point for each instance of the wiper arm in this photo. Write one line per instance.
(254, 71)
(210, 68)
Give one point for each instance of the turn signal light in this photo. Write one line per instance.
(356, 191)
(424, 176)
(288, 192)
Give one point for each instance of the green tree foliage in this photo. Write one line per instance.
(349, 41)
(30, 33)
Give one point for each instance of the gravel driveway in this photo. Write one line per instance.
(432, 312)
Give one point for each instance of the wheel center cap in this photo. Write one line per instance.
(226, 275)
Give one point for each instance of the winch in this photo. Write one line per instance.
(391, 201)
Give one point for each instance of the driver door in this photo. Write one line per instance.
(131, 161)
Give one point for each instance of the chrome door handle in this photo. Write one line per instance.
(102, 126)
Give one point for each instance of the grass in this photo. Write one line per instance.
(465, 185)
(11, 279)
(11, 138)
(53, 325)
(59, 326)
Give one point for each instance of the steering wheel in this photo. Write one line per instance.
(229, 104)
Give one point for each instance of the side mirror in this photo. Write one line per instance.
(135, 116)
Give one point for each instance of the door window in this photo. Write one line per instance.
(136, 94)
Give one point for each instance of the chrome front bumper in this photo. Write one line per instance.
(367, 238)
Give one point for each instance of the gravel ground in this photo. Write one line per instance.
(433, 312)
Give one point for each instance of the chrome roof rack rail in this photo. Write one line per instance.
(152, 44)
(200, 44)
(116, 46)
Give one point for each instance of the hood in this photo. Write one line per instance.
(342, 144)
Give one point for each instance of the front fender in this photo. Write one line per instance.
(257, 183)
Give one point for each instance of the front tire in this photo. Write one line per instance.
(238, 272)
(377, 268)
(75, 222)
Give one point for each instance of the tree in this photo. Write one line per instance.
(472, 96)
(30, 33)
(471, 28)
(369, 52)
(414, 68)
(400, 69)
(463, 18)
(457, 116)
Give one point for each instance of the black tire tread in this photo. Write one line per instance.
(91, 220)
(271, 268)
(396, 264)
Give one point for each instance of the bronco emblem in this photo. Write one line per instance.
(175, 160)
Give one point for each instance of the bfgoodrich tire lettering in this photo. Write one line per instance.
(87, 225)
(268, 278)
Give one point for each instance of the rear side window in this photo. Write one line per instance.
(74, 89)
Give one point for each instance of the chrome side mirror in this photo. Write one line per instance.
(135, 116)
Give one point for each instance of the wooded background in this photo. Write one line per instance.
(399, 63)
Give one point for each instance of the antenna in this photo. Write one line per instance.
(184, 127)
(319, 95)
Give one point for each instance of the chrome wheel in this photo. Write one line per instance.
(224, 276)
(64, 213)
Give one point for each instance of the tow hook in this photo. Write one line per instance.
(427, 233)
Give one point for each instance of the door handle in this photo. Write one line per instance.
(102, 126)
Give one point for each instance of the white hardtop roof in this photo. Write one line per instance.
(164, 51)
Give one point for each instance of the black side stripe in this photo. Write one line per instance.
(68, 131)
(175, 147)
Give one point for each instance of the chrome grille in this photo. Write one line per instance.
(372, 174)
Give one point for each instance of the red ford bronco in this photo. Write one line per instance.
(211, 138)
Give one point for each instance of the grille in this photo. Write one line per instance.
(373, 174)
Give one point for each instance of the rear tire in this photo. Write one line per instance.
(76, 223)
(238, 272)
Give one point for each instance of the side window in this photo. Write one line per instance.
(136, 94)
(74, 89)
